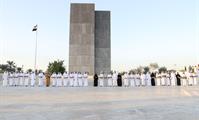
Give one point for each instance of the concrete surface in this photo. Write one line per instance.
(149, 103)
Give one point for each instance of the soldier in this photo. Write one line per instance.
(66, 80)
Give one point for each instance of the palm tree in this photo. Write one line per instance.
(11, 66)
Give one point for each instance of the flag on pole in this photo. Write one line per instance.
(34, 28)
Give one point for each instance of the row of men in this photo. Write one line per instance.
(57, 80)
(154, 79)
(111, 80)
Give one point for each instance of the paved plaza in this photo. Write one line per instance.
(144, 103)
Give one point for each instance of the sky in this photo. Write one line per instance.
(142, 32)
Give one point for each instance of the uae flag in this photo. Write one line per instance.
(34, 28)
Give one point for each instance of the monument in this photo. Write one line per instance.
(90, 41)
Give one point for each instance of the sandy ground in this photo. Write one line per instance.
(148, 103)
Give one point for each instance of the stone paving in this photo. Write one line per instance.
(144, 103)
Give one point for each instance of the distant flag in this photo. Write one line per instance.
(34, 28)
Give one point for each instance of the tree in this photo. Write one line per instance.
(56, 66)
(29, 70)
(146, 69)
(153, 65)
(133, 71)
(162, 69)
(3, 68)
(11, 66)
(139, 70)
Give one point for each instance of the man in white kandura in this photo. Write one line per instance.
(173, 79)
(26, 79)
(41, 79)
(195, 79)
(137, 80)
(59, 80)
(85, 79)
(75, 84)
(158, 79)
(198, 72)
(101, 79)
(21, 79)
(32, 77)
(71, 79)
(11, 79)
(66, 80)
(132, 79)
(5, 79)
(184, 79)
(110, 81)
(148, 78)
(163, 78)
(80, 81)
(129, 78)
(126, 81)
(189, 78)
(168, 79)
(114, 78)
(16, 77)
(53, 78)
(143, 79)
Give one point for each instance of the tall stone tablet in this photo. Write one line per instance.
(102, 42)
(89, 44)
(82, 30)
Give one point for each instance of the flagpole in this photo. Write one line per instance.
(35, 65)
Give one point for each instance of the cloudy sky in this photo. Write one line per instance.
(142, 31)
